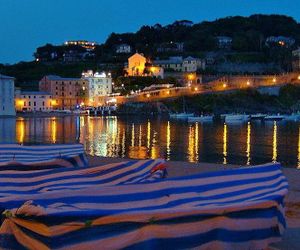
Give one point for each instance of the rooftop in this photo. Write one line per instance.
(34, 93)
(6, 77)
(59, 78)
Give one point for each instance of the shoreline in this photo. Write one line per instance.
(291, 237)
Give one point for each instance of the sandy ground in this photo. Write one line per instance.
(291, 238)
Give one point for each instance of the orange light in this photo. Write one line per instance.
(248, 83)
(168, 92)
(274, 79)
(190, 76)
(224, 85)
(298, 77)
(196, 89)
(148, 95)
(53, 102)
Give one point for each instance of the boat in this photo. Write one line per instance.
(236, 118)
(258, 116)
(277, 117)
(292, 117)
(202, 118)
(181, 115)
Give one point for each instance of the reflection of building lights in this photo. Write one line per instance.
(53, 130)
(197, 141)
(132, 135)
(225, 144)
(148, 134)
(168, 140)
(248, 150)
(274, 158)
(299, 149)
(21, 130)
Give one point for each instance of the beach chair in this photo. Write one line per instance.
(230, 209)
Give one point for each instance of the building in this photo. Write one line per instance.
(171, 64)
(136, 65)
(72, 56)
(34, 101)
(7, 92)
(83, 43)
(67, 92)
(180, 64)
(296, 60)
(224, 42)
(281, 41)
(170, 47)
(98, 85)
(123, 49)
(185, 23)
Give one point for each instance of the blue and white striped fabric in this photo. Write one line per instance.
(232, 209)
(37, 181)
(33, 154)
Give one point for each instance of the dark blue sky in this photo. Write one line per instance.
(27, 24)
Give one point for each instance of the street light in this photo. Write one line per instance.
(298, 77)
(224, 85)
(148, 95)
(196, 89)
(248, 83)
(274, 79)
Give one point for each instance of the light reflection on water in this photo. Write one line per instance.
(245, 144)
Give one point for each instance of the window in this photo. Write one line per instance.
(34, 103)
(24, 103)
(29, 103)
(34, 97)
(43, 103)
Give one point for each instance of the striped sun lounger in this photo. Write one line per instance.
(18, 157)
(232, 209)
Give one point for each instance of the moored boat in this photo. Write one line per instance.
(202, 118)
(236, 118)
(277, 117)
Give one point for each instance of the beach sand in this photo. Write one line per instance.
(291, 237)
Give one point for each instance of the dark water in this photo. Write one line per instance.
(248, 143)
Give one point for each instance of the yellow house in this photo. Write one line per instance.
(136, 65)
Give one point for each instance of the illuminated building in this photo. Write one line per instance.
(97, 85)
(68, 92)
(137, 67)
(83, 43)
(7, 89)
(34, 101)
(123, 49)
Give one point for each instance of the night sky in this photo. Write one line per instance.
(28, 24)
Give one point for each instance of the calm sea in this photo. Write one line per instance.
(247, 143)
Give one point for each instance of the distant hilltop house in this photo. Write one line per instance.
(123, 49)
(280, 41)
(224, 42)
(186, 23)
(7, 92)
(83, 43)
(180, 64)
(33, 101)
(138, 66)
(77, 56)
(296, 60)
(170, 47)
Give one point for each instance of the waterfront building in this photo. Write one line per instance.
(191, 64)
(34, 101)
(173, 63)
(98, 85)
(123, 49)
(68, 93)
(7, 92)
